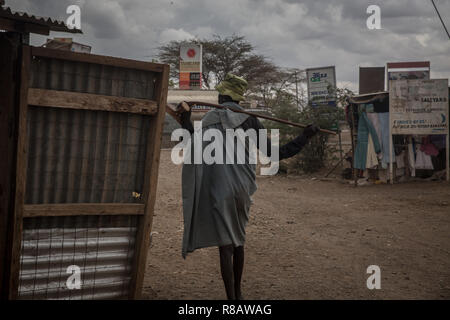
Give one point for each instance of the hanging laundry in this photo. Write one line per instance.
(428, 147)
(372, 160)
(383, 119)
(423, 161)
(412, 158)
(373, 117)
(438, 140)
(398, 142)
(364, 129)
(366, 107)
(400, 159)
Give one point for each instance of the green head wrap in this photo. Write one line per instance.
(233, 86)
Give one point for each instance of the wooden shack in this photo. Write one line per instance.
(80, 138)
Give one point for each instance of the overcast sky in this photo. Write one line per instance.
(300, 34)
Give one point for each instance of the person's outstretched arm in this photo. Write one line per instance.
(287, 150)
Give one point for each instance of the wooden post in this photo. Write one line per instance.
(447, 157)
(9, 84)
(21, 170)
(340, 143)
(149, 194)
(352, 129)
(391, 165)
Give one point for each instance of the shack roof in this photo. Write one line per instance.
(368, 97)
(26, 23)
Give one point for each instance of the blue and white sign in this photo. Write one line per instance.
(321, 85)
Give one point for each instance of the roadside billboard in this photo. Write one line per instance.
(321, 85)
(419, 106)
(408, 70)
(190, 66)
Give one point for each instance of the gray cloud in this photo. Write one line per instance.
(292, 33)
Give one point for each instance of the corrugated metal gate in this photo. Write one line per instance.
(89, 140)
(101, 246)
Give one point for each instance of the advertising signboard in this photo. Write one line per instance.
(418, 107)
(190, 66)
(321, 85)
(408, 70)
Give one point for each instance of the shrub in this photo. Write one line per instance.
(314, 155)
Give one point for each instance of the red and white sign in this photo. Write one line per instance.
(190, 66)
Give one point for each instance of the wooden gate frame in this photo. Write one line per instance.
(74, 100)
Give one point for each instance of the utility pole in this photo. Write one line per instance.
(440, 18)
(296, 90)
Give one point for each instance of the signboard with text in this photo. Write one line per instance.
(321, 86)
(408, 70)
(419, 106)
(190, 66)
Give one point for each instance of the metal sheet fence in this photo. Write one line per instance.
(101, 246)
(85, 156)
(56, 74)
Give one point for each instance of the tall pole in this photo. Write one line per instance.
(340, 141)
(296, 90)
(352, 132)
(447, 157)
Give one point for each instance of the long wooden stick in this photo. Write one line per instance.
(218, 106)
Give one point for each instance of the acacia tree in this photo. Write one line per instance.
(235, 54)
(222, 55)
(284, 82)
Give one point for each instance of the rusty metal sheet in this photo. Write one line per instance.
(371, 79)
(86, 156)
(101, 246)
(78, 156)
(75, 76)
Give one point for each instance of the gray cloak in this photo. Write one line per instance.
(217, 197)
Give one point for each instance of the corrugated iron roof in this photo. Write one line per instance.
(52, 24)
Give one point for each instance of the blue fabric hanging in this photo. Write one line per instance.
(383, 119)
(365, 128)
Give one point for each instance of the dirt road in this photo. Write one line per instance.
(312, 239)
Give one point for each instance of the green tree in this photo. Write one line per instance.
(314, 155)
(222, 55)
